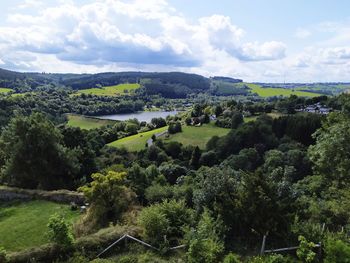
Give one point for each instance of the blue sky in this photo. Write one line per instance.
(257, 40)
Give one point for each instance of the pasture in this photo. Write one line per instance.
(121, 89)
(271, 92)
(5, 90)
(86, 123)
(23, 225)
(136, 142)
(197, 136)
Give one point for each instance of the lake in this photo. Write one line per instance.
(141, 116)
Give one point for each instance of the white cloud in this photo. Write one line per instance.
(31, 4)
(266, 51)
(141, 32)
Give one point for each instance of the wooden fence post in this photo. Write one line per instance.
(262, 250)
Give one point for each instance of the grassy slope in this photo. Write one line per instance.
(5, 90)
(85, 122)
(23, 225)
(136, 142)
(270, 92)
(197, 136)
(111, 90)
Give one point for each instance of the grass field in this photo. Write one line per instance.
(270, 92)
(197, 136)
(115, 90)
(5, 90)
(86, 122)
(136, 142)
(23, 225)
(273, 115)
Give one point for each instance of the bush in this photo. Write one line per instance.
(3, 255)
(273, 258)
(163, 223)
(59, 231)
(304, 252)
(204, 244)
(336, 251)
(128, 259)
(232, 258)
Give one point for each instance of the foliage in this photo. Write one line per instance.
(204, 242)
(336, 251)
(305, 251)
(232, 258)
(164, 223)
(330, 155)
(174, 127)
(59, 231)
(34, 155)
(109, 198)
(3, 255)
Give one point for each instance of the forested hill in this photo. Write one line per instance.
(168, 84)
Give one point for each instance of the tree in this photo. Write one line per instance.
(109, 197)
(34, 156)
(218, 111)
(174, 127)
(59, 231)
(195, 157)
(172, 171)
(173, 149)
(209, 158)
(158, 122)
(236, 119)
(131, 128)
(204, 243)
(331, 153)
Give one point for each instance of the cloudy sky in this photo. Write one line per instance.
(257, 40)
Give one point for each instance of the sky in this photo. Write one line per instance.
(255, 40)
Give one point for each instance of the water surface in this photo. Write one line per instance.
(141, 116)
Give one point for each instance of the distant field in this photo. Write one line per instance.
(5, 90)
(23, 225)
(270, 92)
(86, 122)
(120, 89)
(227, 88)
(197, 136)
(136, 142)
(273, 115)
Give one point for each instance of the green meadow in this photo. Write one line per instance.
(197, 136)
(121, 89)
(24, 225)
(5, 90)
(136, 142)
(86, 123)
(271, 92)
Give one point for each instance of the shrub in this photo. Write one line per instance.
(3, 255)
(204, 244)
(273, 258)
(336, 251)
(59, 231)
(304, 251)
(163, 223)
(232, 258)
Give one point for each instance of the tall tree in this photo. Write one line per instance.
(33, 154)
